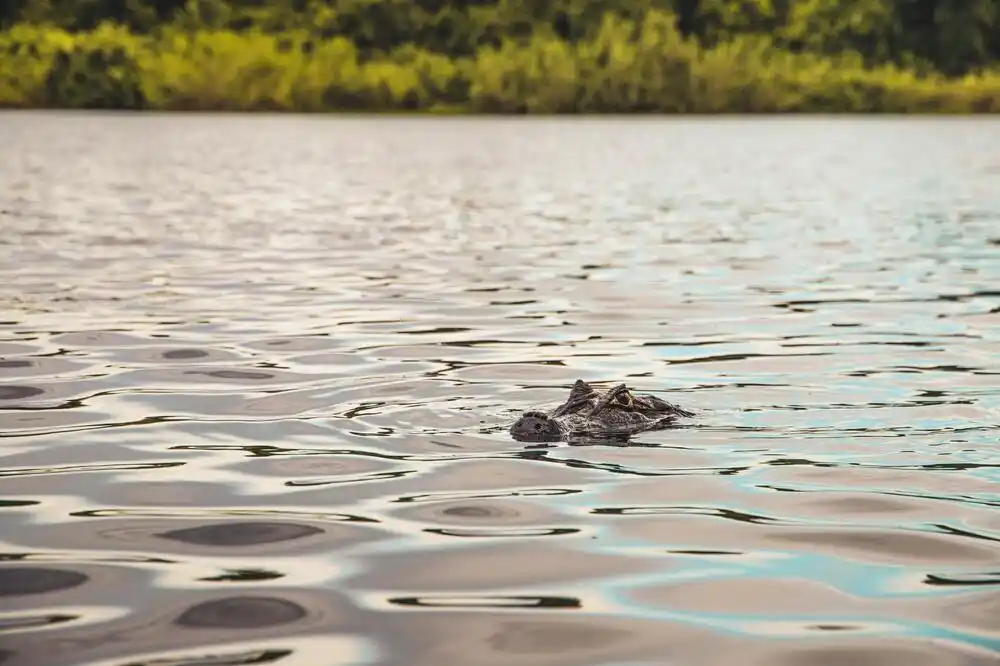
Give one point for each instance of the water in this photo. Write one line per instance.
(256, 374)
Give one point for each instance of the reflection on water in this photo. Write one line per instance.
(257, 374)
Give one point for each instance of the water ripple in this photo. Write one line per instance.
(256, 376)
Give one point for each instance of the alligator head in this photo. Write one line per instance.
(586, 412)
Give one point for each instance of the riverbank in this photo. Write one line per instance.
(644, 67)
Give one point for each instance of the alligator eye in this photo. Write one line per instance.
(538, 426)
(623, 400)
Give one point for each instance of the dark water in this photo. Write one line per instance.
(255, 375)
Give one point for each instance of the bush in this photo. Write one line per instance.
(644, 66)
(98, 71)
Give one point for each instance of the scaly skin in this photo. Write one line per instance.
(587, 412)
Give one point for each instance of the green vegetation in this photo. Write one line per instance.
(509, 56)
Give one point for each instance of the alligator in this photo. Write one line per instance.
(589, 413)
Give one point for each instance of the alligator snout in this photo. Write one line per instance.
(535, 427)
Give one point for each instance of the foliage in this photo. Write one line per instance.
(97, 72)
(953, 36)
(549, 56)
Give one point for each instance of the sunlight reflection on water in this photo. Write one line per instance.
(256, 375)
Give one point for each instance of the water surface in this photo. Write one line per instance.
(256, 374)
